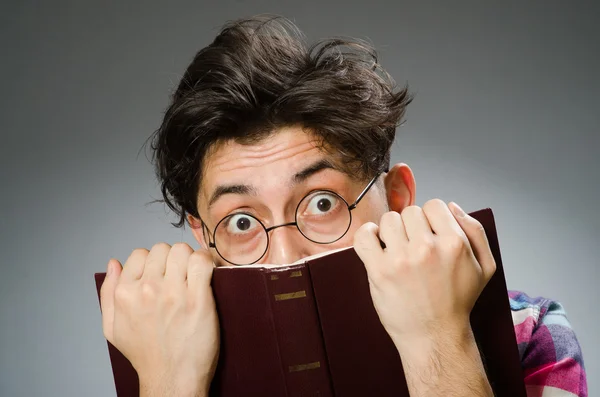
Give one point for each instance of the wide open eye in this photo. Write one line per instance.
(238, 224)
(321, 204)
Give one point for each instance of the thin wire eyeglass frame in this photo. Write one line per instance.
(212, 243)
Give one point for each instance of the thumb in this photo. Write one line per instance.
(107, 297)
(477, 239)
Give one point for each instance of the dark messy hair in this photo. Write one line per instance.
(258, 75)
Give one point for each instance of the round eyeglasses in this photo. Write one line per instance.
(322, 216)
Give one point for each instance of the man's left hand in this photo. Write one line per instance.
(425, 282)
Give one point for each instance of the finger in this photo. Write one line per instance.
(134, 265)
(478, 240)
(415, 223)
(177, 261)
(368, 246)
(156, 262)
(391, 231)
(441, 220)
(107, 297)
(200, 266)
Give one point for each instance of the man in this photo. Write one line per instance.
(273, 152)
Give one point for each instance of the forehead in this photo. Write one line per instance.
(278, 156)
(282, 144)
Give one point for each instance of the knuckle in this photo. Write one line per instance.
(433, 204)
(428, 244)
(402, 262)
(363, 231)
(160, 246)
(411, 210)
(368, 226)
(123, 294)
(149, 289)
(371, 227)
(171, 298)
(139, 253)
(181, 247)
(478, 227)
(180, 253)
(425, 251)
(475, 226)
(389, 218)
(455, 244)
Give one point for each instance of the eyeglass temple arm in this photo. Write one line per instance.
(204, 227)
(365, 190)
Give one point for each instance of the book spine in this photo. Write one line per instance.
(300, 340)
(249, 360)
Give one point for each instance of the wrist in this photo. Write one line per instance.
(438, 362)
(452, 337)
(162, 385)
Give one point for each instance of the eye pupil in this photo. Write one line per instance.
(324, 205)
(243, 223)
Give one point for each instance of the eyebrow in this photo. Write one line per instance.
(250, 190)
(312, 169)
(222, 190)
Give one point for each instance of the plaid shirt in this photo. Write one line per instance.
(549, 350)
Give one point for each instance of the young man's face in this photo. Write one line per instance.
(269, 179)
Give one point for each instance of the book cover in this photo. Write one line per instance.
(310, 329)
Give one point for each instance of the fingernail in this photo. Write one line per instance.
(109, 268)
(458, 211)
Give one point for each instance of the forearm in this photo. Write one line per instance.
(449, 366)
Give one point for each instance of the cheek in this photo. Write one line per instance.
(311, 248)
(370, 211)
(349, 237)
(358, 219)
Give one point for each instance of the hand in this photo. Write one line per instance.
(159, 311)
(424, 284)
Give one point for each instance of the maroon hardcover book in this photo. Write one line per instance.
(310, 330)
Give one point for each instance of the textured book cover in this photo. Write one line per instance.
(310, 329)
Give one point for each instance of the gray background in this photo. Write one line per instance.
(506, 116)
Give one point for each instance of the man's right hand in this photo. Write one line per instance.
(159, 311)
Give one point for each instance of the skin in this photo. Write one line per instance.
(158, 308)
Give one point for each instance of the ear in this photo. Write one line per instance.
(400, 187)
(197, 230)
